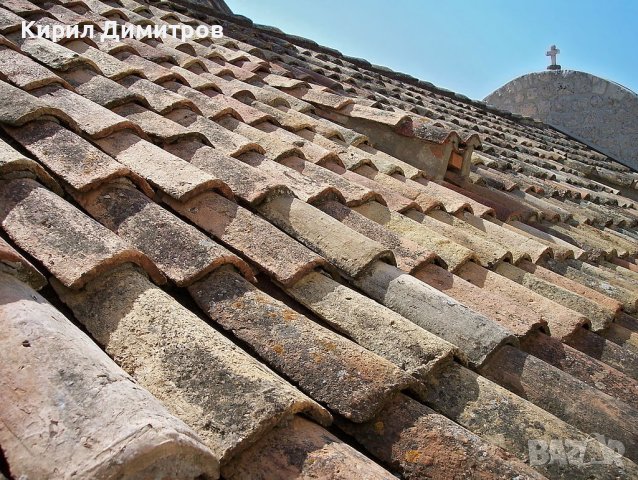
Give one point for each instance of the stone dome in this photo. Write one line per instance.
(601, 113)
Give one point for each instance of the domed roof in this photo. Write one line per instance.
(602, 113)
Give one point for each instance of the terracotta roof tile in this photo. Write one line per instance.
(12, 262)
(585, 407)
(408, 254)
(182, 252)
(303, 450)
(583, 367)
(518, 319)
(70, 157)
(60, 366)
(311, 167)
(521, 246)
(94, 120)
(509, 421)
(488, 252)
(55, 56)
(9, 21)
(99, 89)
(160, 99)
(313, 357)
(24, 72)
(159, 128)
(303, 187)
(452, 254)
(167, 172)
(353, 192)
(152, 71)
(14, 164)
(226, 141)
(354, 315)
(349, 251)
(560, 248)
(472, 333)
(561, 321)
(20, 107)
(419, 443)
(69, 244)
(478, 208)
(286, 117)
(408, 188)
(275, 253)
(312, 152)
(245, 385)
(505, 207)
(21, 7)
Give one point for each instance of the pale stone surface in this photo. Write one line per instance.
(601, 113)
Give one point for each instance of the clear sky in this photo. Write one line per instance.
(469, 46)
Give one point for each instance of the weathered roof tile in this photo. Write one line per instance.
(67, 155)
(274, 252)
(182, 252)
(49, 366)
(19, 107)
(419, 443)
(348, 250)
(226, 396)
(93, 119)
(160, 99)
(73, 247)
(13, 263)
(162, 169)
(302, 449)
(23, 72)
(452, 254)
(333, 370)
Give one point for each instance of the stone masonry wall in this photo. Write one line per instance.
(592, 109)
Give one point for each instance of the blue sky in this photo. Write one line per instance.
(471, 47)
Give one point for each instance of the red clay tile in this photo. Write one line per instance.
(302, 449)
(562, 321)
(419, 443)
(159, 99)
(345, 248)
(573, 401)
(350, 380)
(23, 72)
(583, 367)
(19, 107)
(73, 247)
(70, 157)
(13, 263)
(274, 252)
(169, 173)
(14, 164)
(61, 389)
(516, 318)
(409, 255)
(509, 421)
(180, 251)
(221, 392)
